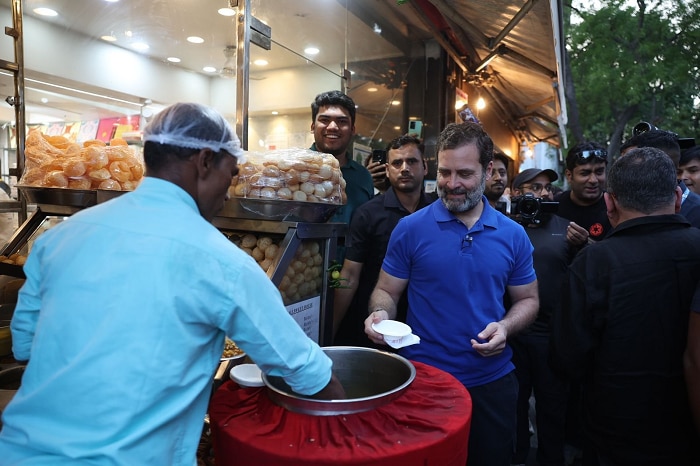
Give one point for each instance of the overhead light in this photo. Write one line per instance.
(311, 50)
(44, 100)
(395, 102)
(372, 89)
(173, 60)
(377, 28)
(275, 112)
(397, 128)
(195, 40)
(226, 11)
(260, 62)
(480, 103)
(228, 70)
(109, 38)
(45, 12)
(209, 69)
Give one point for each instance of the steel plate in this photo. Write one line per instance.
(279, 210)
(371, 378)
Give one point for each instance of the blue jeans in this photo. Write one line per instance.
(492, 433)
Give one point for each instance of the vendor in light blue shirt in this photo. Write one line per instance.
(126, 305)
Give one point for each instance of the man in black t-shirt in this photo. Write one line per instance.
(583, 203)
(370, 229)
(551, 257)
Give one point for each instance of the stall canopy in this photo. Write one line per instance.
(512, 50)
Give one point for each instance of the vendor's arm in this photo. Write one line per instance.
(691, 363)
(382, 303)
(263, 328)
(26, 313)
(522, 313)
(349, 278)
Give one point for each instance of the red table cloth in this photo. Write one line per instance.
(428, 425)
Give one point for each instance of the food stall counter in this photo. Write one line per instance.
(428, 425)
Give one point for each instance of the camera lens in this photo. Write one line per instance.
(529, 207)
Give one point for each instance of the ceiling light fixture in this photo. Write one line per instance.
(226, 11)
(45, 12)
(195, 40)
(228, 71)
(109, 38)
(260, 62)
(209, 69)
(311, 50)
(173, 60)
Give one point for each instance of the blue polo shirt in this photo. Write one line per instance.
(456, 286)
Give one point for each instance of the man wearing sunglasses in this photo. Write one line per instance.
(583, 203)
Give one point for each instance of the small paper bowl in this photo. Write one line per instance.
(392, 330)
(247, 375)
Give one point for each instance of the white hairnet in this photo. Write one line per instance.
(194, 126)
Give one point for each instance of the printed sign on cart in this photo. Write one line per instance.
(308, 315)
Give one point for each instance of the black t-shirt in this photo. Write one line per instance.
(551, 259)
(593, 218)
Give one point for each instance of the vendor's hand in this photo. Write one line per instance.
(333, 391)
(375, 317)
(494, 338)
(576, 234)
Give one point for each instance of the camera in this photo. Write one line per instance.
(379, 156)
(530, 208)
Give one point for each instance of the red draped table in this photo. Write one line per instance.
(428, 425)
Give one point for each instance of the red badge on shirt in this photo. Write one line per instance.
(595, 230)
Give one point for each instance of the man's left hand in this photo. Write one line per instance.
(494, 340)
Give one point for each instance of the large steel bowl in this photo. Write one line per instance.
(371, 378)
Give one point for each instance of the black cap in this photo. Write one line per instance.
(527, 175)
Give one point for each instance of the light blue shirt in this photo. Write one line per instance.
(123, 317)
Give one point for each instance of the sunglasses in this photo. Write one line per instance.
(599, 154)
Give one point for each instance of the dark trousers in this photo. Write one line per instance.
(493, 422)
(530, 355)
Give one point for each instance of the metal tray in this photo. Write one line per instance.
(80, 198)
(279, 210)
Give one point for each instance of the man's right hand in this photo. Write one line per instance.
(375, 317)
(576, 234)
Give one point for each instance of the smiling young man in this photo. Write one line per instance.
(689, 169)
(583, 203)
(457, 258)
(333, 125)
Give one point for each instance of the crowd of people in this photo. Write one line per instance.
(587, 303)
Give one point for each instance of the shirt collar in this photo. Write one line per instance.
(488, 218)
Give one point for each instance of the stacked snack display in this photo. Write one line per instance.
(290, 175)
(55, 162)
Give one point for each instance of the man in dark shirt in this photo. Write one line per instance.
(668, 143)
(551, 257)
(370, 229)
(624, 321)
(583, 203)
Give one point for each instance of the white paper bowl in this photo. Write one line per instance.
(392, 330)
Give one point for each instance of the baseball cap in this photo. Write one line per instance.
(527, 175)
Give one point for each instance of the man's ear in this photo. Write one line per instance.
(679, 198)
(489, 170)
(611, 208)
(569, 175)
(204, 161)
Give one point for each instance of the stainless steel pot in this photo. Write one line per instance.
(371, 378)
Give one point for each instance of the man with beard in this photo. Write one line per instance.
(458, 258)
(496, 185)
(583, 203)
(370, 228)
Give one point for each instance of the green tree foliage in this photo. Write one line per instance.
(632, 63)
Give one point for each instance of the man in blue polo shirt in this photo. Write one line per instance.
(458, 258)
